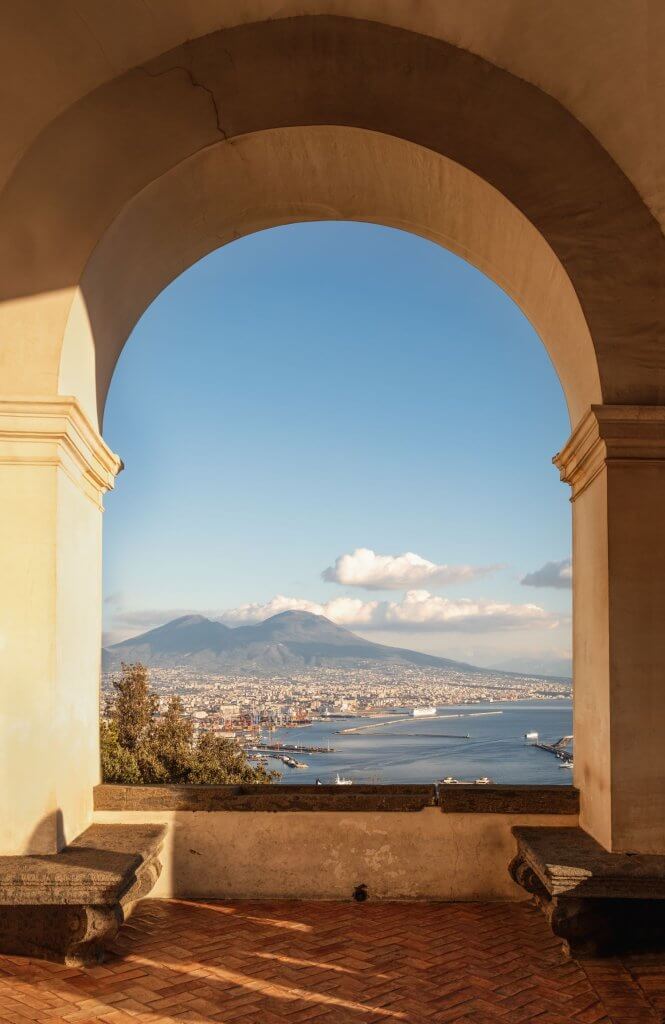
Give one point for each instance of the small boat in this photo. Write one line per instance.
(450, 781)
(300, 764)
(484, 781)
(566, 764)
(342, 782)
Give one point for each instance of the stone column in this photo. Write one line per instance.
(615, 464)
(54, 469)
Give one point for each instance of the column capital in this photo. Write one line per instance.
(54, 431)
(611, 434)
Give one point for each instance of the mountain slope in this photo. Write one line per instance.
(288, 641)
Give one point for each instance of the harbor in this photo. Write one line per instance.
(558, 748)
(260, 757)
(490, 745)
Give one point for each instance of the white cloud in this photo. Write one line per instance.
(343, 610)
(124, 623)
(552, 574)
(149, 618)
(365, 568)
(417, 611)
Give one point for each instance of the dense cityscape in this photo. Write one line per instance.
(236, 704)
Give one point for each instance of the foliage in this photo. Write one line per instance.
(118, 763)
(140, 747)
(135, 706)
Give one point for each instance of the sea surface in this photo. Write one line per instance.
(429, 749)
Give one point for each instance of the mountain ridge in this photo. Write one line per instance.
(286, 642)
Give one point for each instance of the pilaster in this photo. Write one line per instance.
(615, 465)
(54, 471)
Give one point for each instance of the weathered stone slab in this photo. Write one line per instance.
(598, 903)
(68, 906)
(264, 798)
(471, 799)
(568, 861)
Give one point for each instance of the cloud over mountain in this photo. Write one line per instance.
(371, 571)
(290, 641)
(552, 574)
(417, 611)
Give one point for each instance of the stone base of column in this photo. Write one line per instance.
(598, 903)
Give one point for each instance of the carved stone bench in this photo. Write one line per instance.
(598, 903)
(68, 906)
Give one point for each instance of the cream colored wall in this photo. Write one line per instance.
(28, 501)
(53, 471)
(615, 463)
(31, 333)
(74, 726)
(591, 692)
(636, 540)
(604, 60)
(324, 855)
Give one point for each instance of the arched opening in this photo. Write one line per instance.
(292, 175)
(291, 409)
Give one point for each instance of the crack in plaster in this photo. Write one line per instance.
(196, 84)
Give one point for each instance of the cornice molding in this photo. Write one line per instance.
(611, 434)
(56, 432)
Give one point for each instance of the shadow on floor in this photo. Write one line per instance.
(273, 963)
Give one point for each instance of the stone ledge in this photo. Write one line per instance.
(68, 906)
(598, 903)
(99, 867)
(470, 799)
(264, 798)
(467, 799)
(569, 862)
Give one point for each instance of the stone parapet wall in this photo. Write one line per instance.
(430, 854)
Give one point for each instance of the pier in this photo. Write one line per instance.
(409, 719)
(286, 759)
(293, 748)
(558, 749)
(428, 735)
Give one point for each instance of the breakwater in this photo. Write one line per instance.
(294, 748)
(552, 748)
(410, 720)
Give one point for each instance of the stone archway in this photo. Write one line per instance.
(267, 123)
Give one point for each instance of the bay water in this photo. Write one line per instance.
(429, 749)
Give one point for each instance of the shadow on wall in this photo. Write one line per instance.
(49, 835)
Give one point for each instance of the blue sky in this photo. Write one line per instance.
(321, 388)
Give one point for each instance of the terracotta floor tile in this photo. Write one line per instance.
(180, 962)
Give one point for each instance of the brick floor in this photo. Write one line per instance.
(332, 963)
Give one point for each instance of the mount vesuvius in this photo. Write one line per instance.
(288, 642)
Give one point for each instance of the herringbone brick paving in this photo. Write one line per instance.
(333, 963)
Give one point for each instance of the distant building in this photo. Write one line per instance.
(229, 710)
